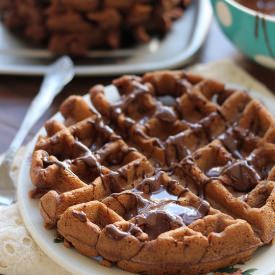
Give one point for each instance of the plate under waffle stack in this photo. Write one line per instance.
(75, 27)
(176, 176)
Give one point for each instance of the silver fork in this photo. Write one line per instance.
(58, 75)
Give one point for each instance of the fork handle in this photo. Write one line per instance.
(37, 108)
(39, 105)
(59, 74)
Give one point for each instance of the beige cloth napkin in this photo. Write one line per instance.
(19, 254)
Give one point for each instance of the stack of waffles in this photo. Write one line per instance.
(176, 176)
(75, 27)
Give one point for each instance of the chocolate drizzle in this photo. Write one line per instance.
(162, 194)
(152, 188)
(166, 216)
(173, 147)
(235, 138)
(151, 184)
(59, 163)
(180, 149)
(243, 176)
(157, 210)
(166, 114)
(88, 157)
(214, 172)
(157, 222)
(262, 166)
(80, 215)
(62, 164)
(126, 100)
(205, 125)
(111, 182)
(231, 143)
(117, 234)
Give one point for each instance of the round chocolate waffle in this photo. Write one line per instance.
(74, 27)
(174, 177)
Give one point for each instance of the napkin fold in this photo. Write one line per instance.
(19, 254)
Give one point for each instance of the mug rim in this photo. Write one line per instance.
(250, 11)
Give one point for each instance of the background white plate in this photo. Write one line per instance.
(176, 49)
(70, 259)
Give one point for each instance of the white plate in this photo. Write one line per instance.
(176, 49)
(74, 262)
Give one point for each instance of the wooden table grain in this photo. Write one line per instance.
(16, 92)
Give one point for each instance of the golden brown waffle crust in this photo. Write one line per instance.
(183, 185)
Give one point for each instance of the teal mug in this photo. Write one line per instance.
(252, 32)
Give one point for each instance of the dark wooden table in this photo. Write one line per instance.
(17, 92)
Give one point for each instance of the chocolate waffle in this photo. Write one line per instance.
(75, 27)
(175, 176)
